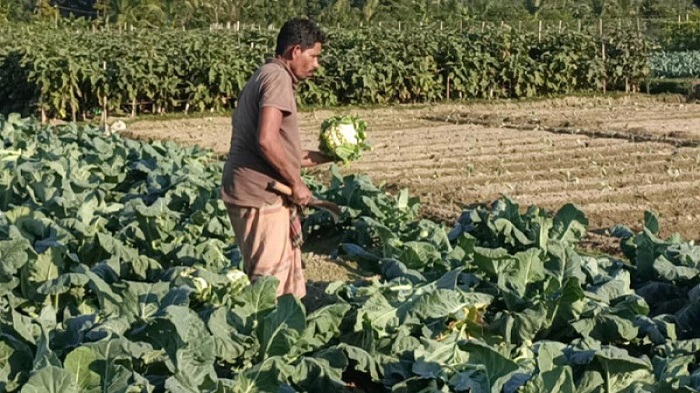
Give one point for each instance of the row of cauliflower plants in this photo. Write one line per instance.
(117, 276)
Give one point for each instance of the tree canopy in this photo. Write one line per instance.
(199, 13)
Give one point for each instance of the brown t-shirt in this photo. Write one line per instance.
(247, 172)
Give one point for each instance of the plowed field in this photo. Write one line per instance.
(614, 157)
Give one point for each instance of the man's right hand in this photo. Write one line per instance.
(301, 195)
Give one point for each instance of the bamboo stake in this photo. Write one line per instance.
(448, 87)
(605, 78)
(104, 100)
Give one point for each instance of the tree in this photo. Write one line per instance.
(369, 10)
(533, 7)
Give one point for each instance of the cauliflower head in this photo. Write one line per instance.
(343, 137)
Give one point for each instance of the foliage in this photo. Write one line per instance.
(113, 279)
(198, 13)
(78, 73)
(681, 37)
(675, 64)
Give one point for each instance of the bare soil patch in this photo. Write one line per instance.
(614, 157)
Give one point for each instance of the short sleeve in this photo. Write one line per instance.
(276, 90)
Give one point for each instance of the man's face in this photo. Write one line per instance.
(305, 62)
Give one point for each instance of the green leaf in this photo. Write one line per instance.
(50, 379)
(688, 319)
(417, 255)
(15, 362)
(48, 266)
(281, 328)
(363, 361)
(559, 379)
(255, 302)
(109, 363)
(570, 224)
(527, 268)
(78, 362)
(321, 326)
(442, 303)
(473, 380)
(498, 368)
(667, 271)
(14, 254)
(620, 370)
(322, 373)
(651, 222)
(140, 300)
(263, 377)
(228, 344)
(492, 261)
(63, 283)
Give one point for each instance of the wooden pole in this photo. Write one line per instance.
(104, 99)
(448, 87)
(605, 77)
(539, 31)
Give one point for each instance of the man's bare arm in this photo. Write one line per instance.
(271, 148)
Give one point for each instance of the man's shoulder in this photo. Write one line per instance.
(273, 68)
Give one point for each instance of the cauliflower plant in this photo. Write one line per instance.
(343, 137)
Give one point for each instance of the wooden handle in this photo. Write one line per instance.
(330, 207)
(279, 187)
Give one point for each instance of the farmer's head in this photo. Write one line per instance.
(299, 42)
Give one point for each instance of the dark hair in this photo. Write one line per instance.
(298, 31)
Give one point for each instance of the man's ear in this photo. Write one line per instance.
(295, 51)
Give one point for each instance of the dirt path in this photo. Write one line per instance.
(614, 157)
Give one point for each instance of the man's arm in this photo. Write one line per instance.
(311, 158)
(271, 148)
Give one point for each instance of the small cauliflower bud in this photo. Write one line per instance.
(202, 289)
(200, 284)
(238, 281)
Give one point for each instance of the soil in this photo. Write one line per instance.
(612, 156)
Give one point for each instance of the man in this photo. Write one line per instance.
(265, 146)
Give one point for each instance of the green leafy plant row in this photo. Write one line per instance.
(117, 276)
(77, 73)
(681, 37)
(675, 64)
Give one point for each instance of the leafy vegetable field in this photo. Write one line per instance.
(684, 64)
(116, 276)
